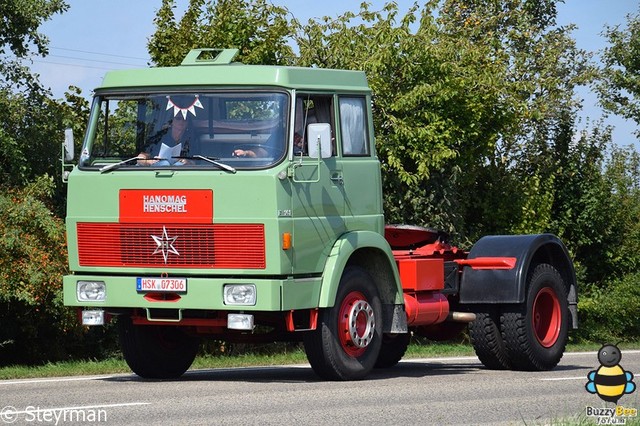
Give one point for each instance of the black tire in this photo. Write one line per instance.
(338, 351)
(392, 349)
(535, 332)
(156, 352)
(487, 341)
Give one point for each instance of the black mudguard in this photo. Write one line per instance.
(502, 286)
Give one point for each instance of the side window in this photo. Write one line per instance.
(312, 108)
(353, 125)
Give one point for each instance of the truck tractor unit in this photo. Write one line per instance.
(243, 203)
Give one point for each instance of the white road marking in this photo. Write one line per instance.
(624, 351)
(60, 379)
(553, 379)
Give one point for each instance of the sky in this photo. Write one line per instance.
(95, 36)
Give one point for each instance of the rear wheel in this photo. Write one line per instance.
(487, 341)
(346, 344)
(156, 352)
(535, 332)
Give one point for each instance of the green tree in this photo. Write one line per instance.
(514, 187)
(609, 301)
(19, 34)
(32, 261)
(581, 210)
(435, 94)
(20, 23)
(35, 325)
(619, 89)
(31, 129)
(468, 96)
(257, 28)
(31, 133)
(622, 177)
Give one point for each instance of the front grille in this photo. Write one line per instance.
(231, 246)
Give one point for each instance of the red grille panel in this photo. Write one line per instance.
(198, 246)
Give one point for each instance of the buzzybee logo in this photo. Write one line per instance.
(610, 382)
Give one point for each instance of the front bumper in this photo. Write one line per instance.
(202, 294)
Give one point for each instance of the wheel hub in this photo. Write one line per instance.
(356, 324)
(546, 317)
(361, 324)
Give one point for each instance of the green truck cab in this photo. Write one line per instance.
(244, 203)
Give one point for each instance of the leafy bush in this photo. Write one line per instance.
(610, 314)
(34, 325)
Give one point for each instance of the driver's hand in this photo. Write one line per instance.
(147, 160)
(243, 153)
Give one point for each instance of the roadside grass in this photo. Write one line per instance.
(117, 365)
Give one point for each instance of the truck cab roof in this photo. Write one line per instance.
(217, 69)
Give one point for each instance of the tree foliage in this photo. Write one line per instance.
(35, 324)
(610, 313)
(31, 129)
(19, 34)
(468, 99)
(435, 93)
(31, 133)
(257, 28)
(20, 22)
(619, 89)
(32, 261)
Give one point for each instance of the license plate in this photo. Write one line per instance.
(172, 285)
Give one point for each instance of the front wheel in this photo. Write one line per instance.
(346, 343)
(156, 352)
(393, 348)
(536, 331)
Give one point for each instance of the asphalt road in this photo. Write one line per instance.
(424, 391)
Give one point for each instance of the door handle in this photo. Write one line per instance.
(336, 178)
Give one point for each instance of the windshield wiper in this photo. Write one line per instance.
(200, 157)
(121, 163)
(216, 163)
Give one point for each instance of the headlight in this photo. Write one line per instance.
(91, 291)
(240, 322)
(240, 294)
(94, 317)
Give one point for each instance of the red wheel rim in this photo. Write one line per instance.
(356, 324)
(547, 317)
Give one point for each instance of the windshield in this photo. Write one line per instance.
(238, 129)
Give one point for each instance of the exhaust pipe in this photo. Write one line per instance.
(461, 316)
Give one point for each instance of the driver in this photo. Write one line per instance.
(177, 135)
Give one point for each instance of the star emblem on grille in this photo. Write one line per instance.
(165, 244)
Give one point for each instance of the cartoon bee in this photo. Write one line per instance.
(610, 381)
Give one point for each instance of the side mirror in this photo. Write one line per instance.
(68, 145)
(319, 137)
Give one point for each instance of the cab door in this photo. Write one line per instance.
(318, 202)
(360, 168)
